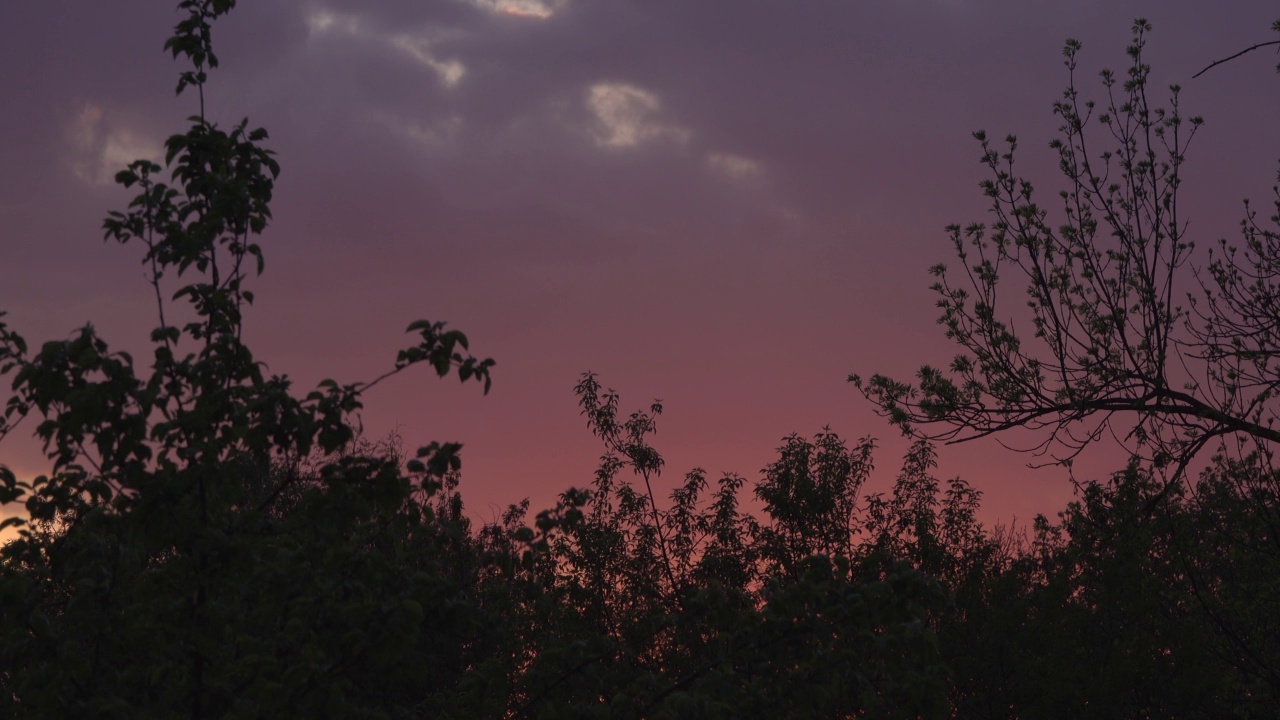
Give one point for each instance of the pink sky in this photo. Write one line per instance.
(726, 204)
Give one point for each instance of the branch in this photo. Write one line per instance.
(1233, 57)
(1178, 473)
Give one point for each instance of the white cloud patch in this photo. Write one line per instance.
(734, 167)
(321, 22)
(536, 9)
(450, 72)
(103, 148)
(626, 116)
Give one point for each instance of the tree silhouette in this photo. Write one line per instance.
(155, 573)
(1119, 335)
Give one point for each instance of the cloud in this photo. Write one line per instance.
(625, 116)
(322, 22)
(537, 9)
(734, 167)
(103, 148)
(419, 48)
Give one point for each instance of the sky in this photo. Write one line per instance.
(730, 205)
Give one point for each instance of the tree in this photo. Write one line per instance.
(1120, 335)
(176, 562)
(1122, 608)
(693, 608)
(1149, 574)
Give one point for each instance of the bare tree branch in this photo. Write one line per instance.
(1216, 63)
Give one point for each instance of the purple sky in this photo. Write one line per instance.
(727, 204)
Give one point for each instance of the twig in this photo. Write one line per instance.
(1233, 57)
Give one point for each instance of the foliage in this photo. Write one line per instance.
(697, 609)
(158, 572)
(1122, 608)
(1118, 612)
